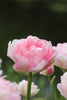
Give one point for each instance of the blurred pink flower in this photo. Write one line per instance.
(0, 62)
(62, 87)
(1, 71)
(61, 58)
(22, 87)
(8, 90)
(31, 54)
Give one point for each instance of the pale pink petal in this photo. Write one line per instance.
(62, 87)
(8, 90)
(61, 58)
(22, 87)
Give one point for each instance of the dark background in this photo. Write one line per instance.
(46, 19)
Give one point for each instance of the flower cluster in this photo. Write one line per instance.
(33, 55)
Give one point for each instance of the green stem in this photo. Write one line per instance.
(63, 70)
(24, 98)
(62, 98)
(52, 86)
(29, 86)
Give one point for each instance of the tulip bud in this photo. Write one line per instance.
(48, 71)
(22, 87)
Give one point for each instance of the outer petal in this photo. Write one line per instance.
(60, 88)
(29, 66)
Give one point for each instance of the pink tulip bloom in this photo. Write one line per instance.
(8, 90)
(62, 87)
(22, 87)
(61, 58)
(31, 54)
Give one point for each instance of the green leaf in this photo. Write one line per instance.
(53, 61)
(52, 80)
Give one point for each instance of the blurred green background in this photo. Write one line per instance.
(46, 19)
